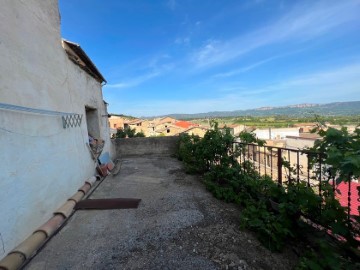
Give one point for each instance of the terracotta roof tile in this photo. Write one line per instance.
(185, 124)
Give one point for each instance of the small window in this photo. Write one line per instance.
(168, 131)
(115, 125)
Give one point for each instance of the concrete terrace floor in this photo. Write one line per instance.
(178, 225)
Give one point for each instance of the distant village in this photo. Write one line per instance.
(165, 126)
(265, 159)
(297, 137)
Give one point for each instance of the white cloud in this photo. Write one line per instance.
(182, 41)
(159, 62)
(244, 69)
(146, 70)
(303, 22)
(333, 85)
(254, 65)
(344, 75)
(161, 107)
(323, 86)
(134, 81)
(206, 54)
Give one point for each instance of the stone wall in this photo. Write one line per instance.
(145, 146)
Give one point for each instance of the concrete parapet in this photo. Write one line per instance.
(146, 146)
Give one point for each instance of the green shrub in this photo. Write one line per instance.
(272, 211)
(341, 152)
(325, 256)
(128, 133)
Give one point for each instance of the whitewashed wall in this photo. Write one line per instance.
(42, 164)
(276, 133)
(299, 143)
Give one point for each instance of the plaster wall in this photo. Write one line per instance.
(196, 131)
(116, 122)
(238, 129)
(166, 146)
(42, 164)
(143, 127)
(299, 143)
(167, 129)
(276, 133)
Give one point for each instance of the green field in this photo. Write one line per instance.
(280, 121)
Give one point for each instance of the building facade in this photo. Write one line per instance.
(276, 133)
(50, 102)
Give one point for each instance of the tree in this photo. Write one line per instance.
(128, 133)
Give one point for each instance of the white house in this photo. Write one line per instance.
(305, 140)
(276, 133)
(50, 100)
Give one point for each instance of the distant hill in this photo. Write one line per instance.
(299, 110)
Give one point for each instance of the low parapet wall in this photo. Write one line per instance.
(146, 146)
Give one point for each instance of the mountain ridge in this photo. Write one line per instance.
(295, 110)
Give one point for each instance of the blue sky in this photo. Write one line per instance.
(191, 56)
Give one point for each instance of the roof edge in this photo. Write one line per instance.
(85, 58)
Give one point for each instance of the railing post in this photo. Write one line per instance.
(279, 166)
(349, 198)
(320, 174)
(298, 166)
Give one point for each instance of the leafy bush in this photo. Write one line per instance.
(341, 152)
(188, 152)
(128, 133)
(325, 256)
(272, 211)
(272, 229)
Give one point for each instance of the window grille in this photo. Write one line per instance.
(72, 120)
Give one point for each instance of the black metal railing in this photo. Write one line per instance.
(286, 166)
